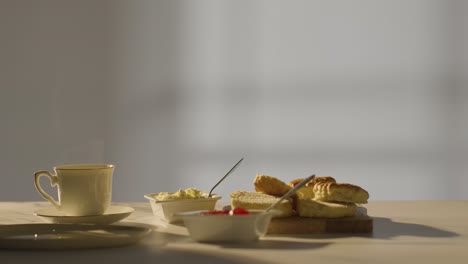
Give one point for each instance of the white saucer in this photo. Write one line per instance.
(112, 215)
(70, 236)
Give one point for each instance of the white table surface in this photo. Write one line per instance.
(404, 232)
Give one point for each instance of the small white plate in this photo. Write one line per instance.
(112, 215)
(69, 236)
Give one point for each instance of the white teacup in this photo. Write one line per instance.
(83, 189)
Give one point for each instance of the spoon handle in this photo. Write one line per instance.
(291, 192)
(229, 172)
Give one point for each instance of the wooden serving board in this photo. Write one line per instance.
(361, 223)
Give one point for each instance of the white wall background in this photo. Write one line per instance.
(175, 92)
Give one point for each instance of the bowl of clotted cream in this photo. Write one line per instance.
(166, 205)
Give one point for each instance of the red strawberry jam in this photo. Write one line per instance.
(217, 212)
(235, 211)
(239, 211)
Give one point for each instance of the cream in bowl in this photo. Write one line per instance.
(166, 204)
(237, 225)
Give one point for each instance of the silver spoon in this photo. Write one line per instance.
(229, 172)
(291, 192)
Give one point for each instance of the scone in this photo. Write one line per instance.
(313, 181)
(326, 189)
(256, 200)
(270, 185)
(312, 208)
(339, 192)
(307, 192)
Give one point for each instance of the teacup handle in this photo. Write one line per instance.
(53, 181)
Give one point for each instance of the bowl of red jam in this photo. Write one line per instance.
(235, 225)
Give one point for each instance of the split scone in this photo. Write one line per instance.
(256, 200)
(307, 192)
(313, 181)
(326, 189)
(312, 208)
(340, 192)
(270, 185)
